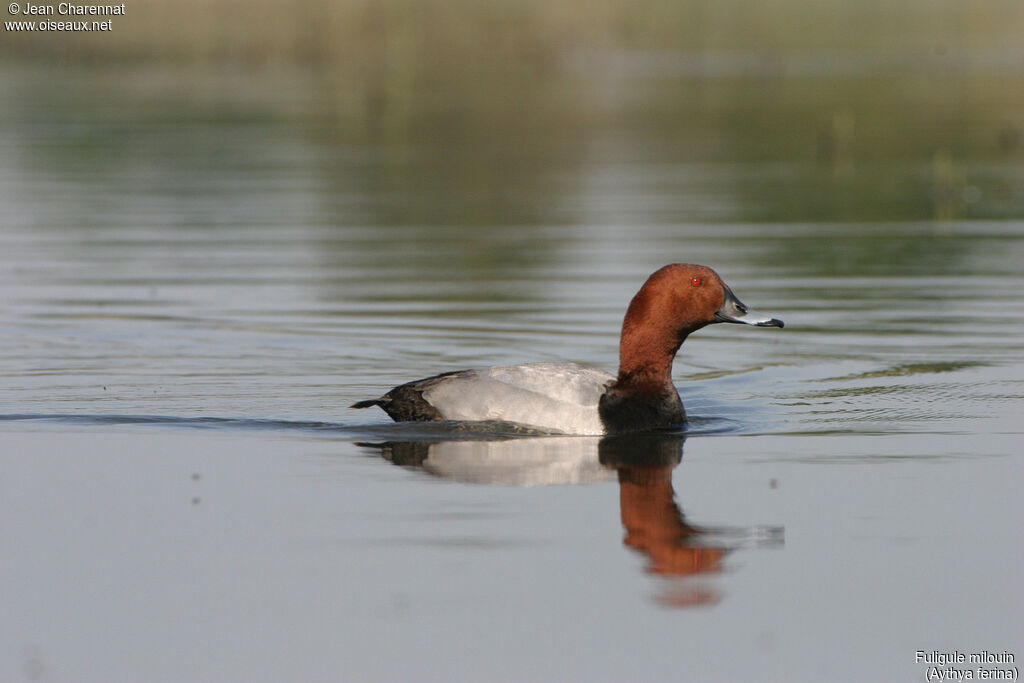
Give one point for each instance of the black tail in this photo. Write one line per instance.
(405, 403)
(370, 403)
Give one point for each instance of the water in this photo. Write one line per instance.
(194, 289)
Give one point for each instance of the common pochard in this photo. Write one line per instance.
(571, 399)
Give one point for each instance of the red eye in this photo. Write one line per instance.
(695, 281)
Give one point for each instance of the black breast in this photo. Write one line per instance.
(627, 412)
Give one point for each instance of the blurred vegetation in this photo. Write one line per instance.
(532, 112)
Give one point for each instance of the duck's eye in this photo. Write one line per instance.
(696, 281)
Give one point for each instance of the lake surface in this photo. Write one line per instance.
(201, 271)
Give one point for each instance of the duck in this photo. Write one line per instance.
(568, 398)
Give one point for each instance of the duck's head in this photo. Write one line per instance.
(684, 297)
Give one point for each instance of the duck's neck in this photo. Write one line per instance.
(643, 396)
(645, 360)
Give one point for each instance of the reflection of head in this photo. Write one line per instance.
(654, 524)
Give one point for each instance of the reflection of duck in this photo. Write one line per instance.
(564, 397)
(530, 461)
(654, 524)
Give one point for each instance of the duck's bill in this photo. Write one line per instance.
(735, 311)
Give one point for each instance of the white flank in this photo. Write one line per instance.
(554, 397)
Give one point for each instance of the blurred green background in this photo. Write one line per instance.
(526, 112)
